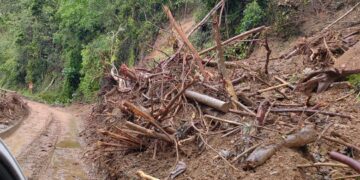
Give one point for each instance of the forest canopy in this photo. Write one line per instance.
(63, 47)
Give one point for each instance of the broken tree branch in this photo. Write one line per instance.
(354, 164)
(341, 17)
(145, 115)
(292, 87)
(278, 91)
(185, 39)
(241, 112)
(321, 164)
(271, 88)
(148, 132)
(341, 142)
(268, 53)
(244, 107)
(172, 102)
(221, 61)
(329, 51)
(311, 111)
(238, 37)
(211, 12)
(245, 152)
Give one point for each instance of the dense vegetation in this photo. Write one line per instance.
(63, 47)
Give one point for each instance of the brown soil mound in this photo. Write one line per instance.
(12, 110)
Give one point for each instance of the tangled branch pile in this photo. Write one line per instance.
(12, 110)
(179, 105)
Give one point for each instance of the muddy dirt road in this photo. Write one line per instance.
(47, 145)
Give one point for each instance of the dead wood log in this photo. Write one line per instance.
(221, 61)
(185, 39)
(148, 132)
(209, 101)
(319, 81)
(260, 155)
(354, 164)
(262, 111)
(238, 37)
(145, 115)
(305, 136)
(145, 176)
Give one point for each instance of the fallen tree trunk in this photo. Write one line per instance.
(209, 101)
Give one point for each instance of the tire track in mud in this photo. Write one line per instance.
(47, 144)
(36, 157)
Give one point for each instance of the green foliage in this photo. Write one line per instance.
(282, 20)
(355, 81)
(73, 40)
(240, 16)
(94, 58)
(253, 16)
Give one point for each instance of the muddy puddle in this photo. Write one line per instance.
(65, 164)
(47, 145)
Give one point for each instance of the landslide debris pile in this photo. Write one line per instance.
(12, 110)
(179, 119)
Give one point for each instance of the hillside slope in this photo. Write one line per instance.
(133, 126)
